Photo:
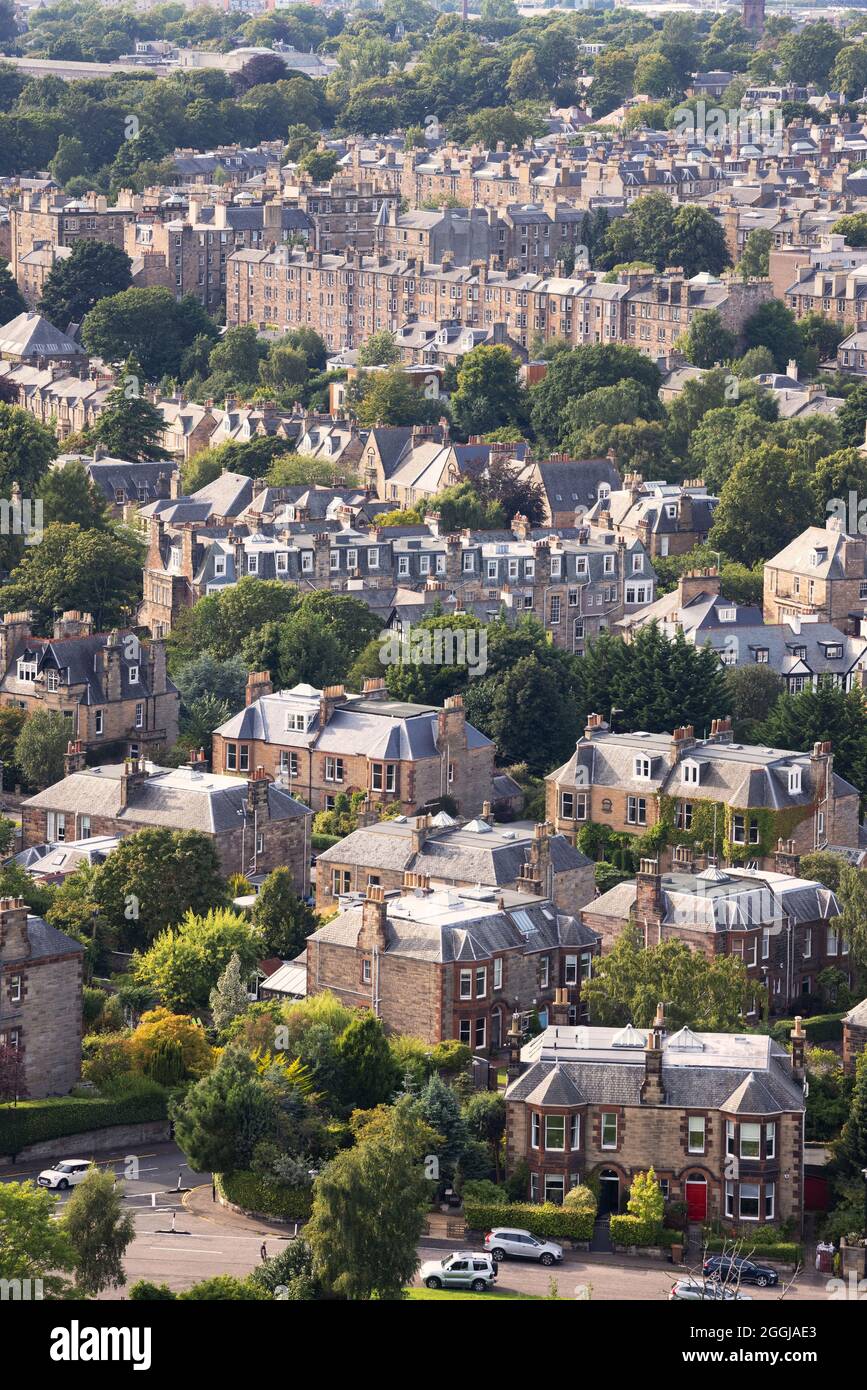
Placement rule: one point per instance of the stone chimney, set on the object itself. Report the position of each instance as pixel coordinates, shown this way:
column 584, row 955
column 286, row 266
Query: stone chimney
column 648, row 892
column 520, row 527
column 329, row 699
column 134, row 773
column 513, row 1037
column 73, row 624
column 14, row 941
column 534, row 874
column 419, row 833
column 74, row 759
column 417, row 883
column 720, row 731
column 451, row 724
column 258, row 684
column 682, row 740
column 375, row 688
column 799, row 1043
column 197, row 760
column 487, row 813
column 372, row 935
column 786, row 861
column 157, row 666
column 696, row 582
column 560, row 1008
column 652, row 1087
column 595, row 726
column 15, row 628
column 257, row 792
column 111, row 667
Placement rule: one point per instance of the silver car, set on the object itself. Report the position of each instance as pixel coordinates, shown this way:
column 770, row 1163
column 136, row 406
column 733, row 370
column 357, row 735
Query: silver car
column 693, row 1290
column 461, row 1269
column 506, row 1242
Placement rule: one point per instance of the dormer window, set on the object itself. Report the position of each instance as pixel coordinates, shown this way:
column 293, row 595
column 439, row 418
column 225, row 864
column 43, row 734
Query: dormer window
column 814, row 559
column 641, row 769
column 252, row 564
column 282, row 561
column 26, row 671
column 133, row 675
column 794, row 781
column 727, row 615
column 833, row 651
column 296, row 721
column 690, row 773
column 637, row 564
column 760, row 655
column 52, row 680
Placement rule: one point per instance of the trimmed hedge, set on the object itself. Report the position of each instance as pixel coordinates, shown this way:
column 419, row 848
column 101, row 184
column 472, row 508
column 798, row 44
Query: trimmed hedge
column 819, row 1028
column 546, row 1219
column 630, row 1230
column 34, row 1121
column 268, row 1196
column 322, row 842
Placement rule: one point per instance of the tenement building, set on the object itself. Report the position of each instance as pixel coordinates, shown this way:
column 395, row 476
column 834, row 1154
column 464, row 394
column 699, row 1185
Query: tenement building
column 451, row 963
column 719, row 1117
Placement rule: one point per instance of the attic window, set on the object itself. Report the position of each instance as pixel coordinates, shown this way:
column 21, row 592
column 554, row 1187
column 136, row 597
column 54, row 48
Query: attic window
column 690, row 773
column 641, row 768
column 52, row 680
column 133, row 675
column 727, row 615
column 794, row 780
column 26, row 670
column 814, row 558
column 296, row 720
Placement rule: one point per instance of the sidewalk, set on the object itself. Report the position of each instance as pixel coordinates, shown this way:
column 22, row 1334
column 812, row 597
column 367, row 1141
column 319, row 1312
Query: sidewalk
column 198, row 1202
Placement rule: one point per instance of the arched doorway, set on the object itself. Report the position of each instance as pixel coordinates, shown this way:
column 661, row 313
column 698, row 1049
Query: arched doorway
column 695, row 1190
column 609, row 1192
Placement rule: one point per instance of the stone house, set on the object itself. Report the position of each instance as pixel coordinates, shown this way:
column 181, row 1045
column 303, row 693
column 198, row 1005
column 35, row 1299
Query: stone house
column 711, row 795
column 821, row 575
column 447, row 854
column 40, row 1000
column 719, row 1117
column 784, row 928
column 324, row 743
column 854, row 1036
column 451, row 963
column 256, row 826
column 668, row 518
column 112, row 689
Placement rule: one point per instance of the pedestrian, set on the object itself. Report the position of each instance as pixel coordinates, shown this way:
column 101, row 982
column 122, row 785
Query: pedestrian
column 264, row 1252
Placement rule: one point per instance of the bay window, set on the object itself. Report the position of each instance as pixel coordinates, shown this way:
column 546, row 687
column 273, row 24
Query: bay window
column 555, row 1132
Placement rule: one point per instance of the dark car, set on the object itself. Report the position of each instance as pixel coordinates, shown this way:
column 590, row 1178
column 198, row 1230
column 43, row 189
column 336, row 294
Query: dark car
column 732, row 1268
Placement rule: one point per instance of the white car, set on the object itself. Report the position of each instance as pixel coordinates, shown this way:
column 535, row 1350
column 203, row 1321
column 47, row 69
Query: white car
column 692, row 1290
column 65, row 1173
column 462, row 1269
column 506, row 1241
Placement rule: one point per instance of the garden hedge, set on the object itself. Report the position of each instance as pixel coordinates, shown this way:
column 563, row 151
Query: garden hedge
column 630, row 1230
column 323, row 842
column 268, row 1196
column 785, row 1252
column 548, row 1220
column 820, row 1028
column 34, row 1121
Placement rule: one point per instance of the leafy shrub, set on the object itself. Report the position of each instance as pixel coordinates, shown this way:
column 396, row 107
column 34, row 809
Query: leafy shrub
column 786, row 1252
column 322, row 842
column 92, row 1003
column 450, row 1056
column 257, row 1192
column 545, row 1219
column 629, row 1230
column 482, row 1192
column 518, row 1181
column 144, row 1291
column 820, row 1028
column 582, row 1198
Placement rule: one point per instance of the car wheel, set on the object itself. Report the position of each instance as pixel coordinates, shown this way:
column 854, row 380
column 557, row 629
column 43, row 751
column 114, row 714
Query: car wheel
column 433, row 1282
column 62, row 1185
column 762, row 1280
column 546, row 1259
column 498, row 1254
column 478, row 1286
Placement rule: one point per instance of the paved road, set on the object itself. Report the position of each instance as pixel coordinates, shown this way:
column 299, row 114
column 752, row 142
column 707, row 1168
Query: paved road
column 223, row 1243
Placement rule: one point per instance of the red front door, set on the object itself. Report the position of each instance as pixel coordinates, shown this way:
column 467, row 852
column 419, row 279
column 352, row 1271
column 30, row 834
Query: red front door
column 696, row 1201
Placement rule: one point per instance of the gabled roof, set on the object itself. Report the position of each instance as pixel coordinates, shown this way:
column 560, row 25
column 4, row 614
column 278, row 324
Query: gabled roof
column 30, row 335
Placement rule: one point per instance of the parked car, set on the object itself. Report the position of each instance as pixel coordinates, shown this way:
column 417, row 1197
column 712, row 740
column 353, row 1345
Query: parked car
column 691, row 1290
column 66, row 1172
column 736, row 1267
column 460, row 1270
column 505, row 1242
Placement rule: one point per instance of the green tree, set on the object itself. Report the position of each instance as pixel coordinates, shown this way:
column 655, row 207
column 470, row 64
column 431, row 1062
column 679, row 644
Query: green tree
column 774, row 326
column 753, row 691
column 852, row 892
column 701, row 992
column 148, row 324
column 34, row 1244
column 69, row 497
column 655, row 76
column 221, row 1119
column 368, row 1213
column 26, row 451
column 40, row 748
column 852, row 1147
column 184, row 963
column 368, row 1075
column 575, row 374
column 99, row 1231
column 391, row 398
column 646, row 1202
column 761, row 507
column 130, row 426
column 93, row 270
column 756, row 254
column 852, row 416
column 853, row 227
column 380, row 350
column 283, row 918
column 11, row 299
column 820, row 338
column 485, row 1118
column 206, row 675
column 708, row 342
column 510, row 708
column 319, row 164
column 229, row 996
column 155, row 877
column 825, row 713
column 97, row 572
column 488, row 393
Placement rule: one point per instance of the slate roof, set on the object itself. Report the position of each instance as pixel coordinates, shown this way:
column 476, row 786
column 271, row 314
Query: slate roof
column 576, row 482
column 30, row 335
column 453, row 926
column 733, row 898
column 177, row 798
column 714, row 1071
column 46, row 940
column 77, row 661
column 857, row 1015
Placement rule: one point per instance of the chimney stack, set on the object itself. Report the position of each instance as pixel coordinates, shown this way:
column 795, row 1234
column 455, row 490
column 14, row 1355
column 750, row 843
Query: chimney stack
column 652, row 1087
column 372, row 935
column 799, row 1043
column 74, row 759
column 258, row 684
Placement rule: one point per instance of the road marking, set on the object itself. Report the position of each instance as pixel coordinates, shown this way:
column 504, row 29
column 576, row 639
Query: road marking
column 186, row 1250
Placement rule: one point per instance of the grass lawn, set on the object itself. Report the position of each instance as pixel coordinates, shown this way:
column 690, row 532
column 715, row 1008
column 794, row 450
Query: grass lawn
column 463, row 1295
